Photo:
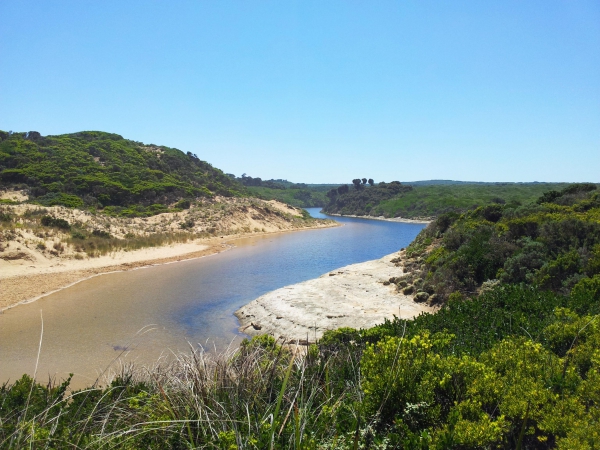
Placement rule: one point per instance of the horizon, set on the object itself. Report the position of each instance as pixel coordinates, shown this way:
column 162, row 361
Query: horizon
column 312, row 92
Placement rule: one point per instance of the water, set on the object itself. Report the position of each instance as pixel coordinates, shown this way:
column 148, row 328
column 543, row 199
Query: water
column 138, row 315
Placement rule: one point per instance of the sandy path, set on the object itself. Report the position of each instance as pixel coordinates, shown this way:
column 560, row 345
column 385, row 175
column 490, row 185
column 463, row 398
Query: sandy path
column 353, row 296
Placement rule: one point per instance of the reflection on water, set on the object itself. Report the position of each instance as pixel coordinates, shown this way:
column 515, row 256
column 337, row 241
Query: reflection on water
column 138, row 315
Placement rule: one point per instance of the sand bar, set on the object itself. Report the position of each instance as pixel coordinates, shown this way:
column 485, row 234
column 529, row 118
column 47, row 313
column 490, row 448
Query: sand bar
column 352, row 296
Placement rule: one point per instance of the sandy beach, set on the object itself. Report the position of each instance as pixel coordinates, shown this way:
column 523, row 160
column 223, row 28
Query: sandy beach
column 352, row 296
column 19, row 285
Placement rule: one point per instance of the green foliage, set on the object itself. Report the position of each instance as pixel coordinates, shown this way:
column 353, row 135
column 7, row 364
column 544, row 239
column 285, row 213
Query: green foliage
column 305, row 197
column 59, row 199
column 301, row 195
column 183, row 204
column 360, row 201
column 568, row 194
column 585, row 295
column 434, row 200
column 5, row 216
column 101, row 234
column 101, row 169
column 551, row 246
column 49, row 221
column 533, row 382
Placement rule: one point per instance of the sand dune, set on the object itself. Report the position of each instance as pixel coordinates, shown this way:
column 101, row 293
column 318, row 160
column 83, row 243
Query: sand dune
column 36, row 260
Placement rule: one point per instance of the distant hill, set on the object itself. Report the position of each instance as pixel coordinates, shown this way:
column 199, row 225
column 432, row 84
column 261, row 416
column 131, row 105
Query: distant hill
column 430, row 198
column 443, row 182
column 301, row 195
column 361, row 197
column 440, row 182
column 98, row 169
column 451, row 182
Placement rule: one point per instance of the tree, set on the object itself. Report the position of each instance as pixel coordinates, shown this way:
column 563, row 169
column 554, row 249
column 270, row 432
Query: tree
column 371, row 182
column 343, row 189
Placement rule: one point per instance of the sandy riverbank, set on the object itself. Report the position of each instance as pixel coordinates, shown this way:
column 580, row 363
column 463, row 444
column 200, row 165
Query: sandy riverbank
column 352, row 296
column 387, row 219
column 27, row 286
column 30, row 268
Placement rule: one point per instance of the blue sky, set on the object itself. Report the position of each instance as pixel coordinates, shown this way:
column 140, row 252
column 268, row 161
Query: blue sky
column 319, row 91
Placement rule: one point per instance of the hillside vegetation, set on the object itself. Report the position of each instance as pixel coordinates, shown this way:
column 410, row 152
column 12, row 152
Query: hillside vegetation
column 104, row 170
column 429, row 200
column 510, row 361
column 362, row 198
column 552, row 244
column 300, row 195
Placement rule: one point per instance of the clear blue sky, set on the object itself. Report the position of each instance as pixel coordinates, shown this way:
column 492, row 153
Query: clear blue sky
column 318, row 91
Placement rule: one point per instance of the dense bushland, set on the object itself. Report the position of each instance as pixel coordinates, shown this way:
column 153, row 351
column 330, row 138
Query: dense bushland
column 431, row 200
column 306, row 197
column 301, row 195
column 98, row 169
column 362, row 197
column 549, row 244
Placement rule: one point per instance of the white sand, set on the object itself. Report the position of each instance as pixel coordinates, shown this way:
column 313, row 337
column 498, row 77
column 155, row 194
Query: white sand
column 353, row 296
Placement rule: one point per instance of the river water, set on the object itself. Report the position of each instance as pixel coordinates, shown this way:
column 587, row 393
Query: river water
column 94, row 327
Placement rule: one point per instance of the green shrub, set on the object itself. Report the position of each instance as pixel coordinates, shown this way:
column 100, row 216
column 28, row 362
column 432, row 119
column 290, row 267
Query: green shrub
column 101, row 234
column 60, row 199
column 76, row 234
column 49, row 221
column 183, row 204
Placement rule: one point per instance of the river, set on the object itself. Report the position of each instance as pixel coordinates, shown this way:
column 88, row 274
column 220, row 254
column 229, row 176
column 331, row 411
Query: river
column 95, row 326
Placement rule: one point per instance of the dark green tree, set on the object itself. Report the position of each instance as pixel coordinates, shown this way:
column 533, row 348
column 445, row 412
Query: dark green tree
column 343, row 189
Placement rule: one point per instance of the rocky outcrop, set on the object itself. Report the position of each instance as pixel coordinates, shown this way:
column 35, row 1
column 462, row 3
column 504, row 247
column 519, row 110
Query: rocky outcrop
column 353, row 296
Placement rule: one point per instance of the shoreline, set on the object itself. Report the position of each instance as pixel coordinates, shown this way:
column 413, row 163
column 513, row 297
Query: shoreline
column 352, row 296
column 24, row 288
column 385, row 219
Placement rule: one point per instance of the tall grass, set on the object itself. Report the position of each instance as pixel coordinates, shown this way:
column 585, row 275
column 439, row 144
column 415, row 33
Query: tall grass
column 258, row 396
column 403, row 391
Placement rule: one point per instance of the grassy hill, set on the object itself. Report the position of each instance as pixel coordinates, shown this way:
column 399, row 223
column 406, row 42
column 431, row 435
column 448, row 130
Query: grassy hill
column 98, row 169
column 429, row 200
